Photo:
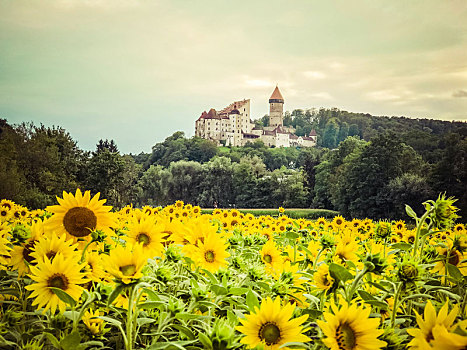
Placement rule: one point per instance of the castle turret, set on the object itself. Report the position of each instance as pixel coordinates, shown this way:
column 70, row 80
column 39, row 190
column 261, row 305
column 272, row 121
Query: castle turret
column 276, row 108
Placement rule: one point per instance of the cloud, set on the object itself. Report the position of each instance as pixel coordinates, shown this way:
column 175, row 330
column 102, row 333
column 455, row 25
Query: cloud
column 314, row 75
column 322, row 95
column 460, row 94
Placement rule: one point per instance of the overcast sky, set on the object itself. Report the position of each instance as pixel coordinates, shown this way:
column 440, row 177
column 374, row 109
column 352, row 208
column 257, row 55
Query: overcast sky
column 137, row 71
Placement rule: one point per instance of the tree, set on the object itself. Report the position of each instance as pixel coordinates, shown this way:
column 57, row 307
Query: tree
column 411, row 189
column 217, row 185
column 50, row 161
column 449, row 174
column 154, row 186
column 185, row 181
column 104, row 174
column 330, row 134
column 106, row 145
column 364, row 190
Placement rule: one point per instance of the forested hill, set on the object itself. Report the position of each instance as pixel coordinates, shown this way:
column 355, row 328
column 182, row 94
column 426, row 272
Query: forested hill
column 364, row 166
column 334, row 125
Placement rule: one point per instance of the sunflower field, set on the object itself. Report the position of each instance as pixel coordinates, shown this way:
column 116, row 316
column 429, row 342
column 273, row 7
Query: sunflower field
column 79, row 275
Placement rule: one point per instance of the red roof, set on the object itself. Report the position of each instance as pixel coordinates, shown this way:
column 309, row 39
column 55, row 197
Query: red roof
column 312, row 133
column 276, row 95
column 234, row 105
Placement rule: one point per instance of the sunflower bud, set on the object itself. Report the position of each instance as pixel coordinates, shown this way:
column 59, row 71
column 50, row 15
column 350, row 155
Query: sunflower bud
column 236, row 263
column 21, row 233
column 222, row 335
column 173, row 254
column 98, row 236
column 327, row 241
column 444, row 212
column 383, row 229
column 374, row 263
column 174, row 306
column 256, row 272
column 408, row 271
column 164, row 274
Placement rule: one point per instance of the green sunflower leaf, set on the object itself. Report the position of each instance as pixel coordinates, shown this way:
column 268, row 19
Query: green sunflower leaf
column 454, row 272
column 251, row 301
column 63, row 296
column 71, row 341
column 115, row 293
column 339, row 273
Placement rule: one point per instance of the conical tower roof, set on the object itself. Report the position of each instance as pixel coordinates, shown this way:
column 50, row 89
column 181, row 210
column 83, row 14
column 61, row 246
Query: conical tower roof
column 276, row 96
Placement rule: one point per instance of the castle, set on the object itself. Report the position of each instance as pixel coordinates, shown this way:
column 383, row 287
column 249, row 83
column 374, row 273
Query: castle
column 232, row 126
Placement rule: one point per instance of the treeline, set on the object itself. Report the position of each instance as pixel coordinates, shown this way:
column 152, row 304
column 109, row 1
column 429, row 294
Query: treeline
column 380, row 165
column 38, row 163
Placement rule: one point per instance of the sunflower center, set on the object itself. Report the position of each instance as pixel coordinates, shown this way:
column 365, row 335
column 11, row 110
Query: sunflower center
column 80, row 221
column 267, row 258
column 143, row 238
column 128, row 270
column 50, row 255
column 270, row 333
column 454, row 258
column 209, row 256
column 345, row 337
column 411, row 239
column 28, row 249
column 4, row 213
column 58, row 281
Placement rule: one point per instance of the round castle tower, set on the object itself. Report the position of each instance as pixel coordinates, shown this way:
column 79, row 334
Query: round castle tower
column 276, row 108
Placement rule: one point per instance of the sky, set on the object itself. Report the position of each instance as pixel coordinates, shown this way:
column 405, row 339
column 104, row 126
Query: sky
column 137, row 71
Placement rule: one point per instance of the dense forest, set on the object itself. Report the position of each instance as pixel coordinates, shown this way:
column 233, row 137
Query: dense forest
column 364, row 166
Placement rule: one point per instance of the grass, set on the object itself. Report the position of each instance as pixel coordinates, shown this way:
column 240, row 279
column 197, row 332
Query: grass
column 297, row 213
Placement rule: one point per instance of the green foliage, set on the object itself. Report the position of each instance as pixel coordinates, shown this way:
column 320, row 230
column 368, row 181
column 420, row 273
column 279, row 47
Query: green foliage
column 310, row 214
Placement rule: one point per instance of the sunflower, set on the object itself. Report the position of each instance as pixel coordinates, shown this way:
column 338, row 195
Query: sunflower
column 4, row 250
column 126, row 263
column 271, row 256
column 21, row 255
column 271, row 326
column 410, row 236
column 7, row 204
column 211, row 253
column 49, row 246
column 454, row 257
column 196, row 210
column 347, row 248
column 459, row 228
column 339, row 222
column 435, row 329
column 290, row 274
column 399, row 225
column 350, row 328
column 93, row 322
column 149, row 234
column 322, row 278
column 78, row 215
column 59, row 273
column 93, row 268
column 321, row 221
column 5, row 214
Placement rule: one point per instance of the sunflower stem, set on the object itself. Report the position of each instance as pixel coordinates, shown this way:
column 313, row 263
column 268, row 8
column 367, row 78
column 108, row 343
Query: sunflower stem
column 355, row 283
column 129, row 321
column 83, row 256
column 419, row 229
column 317, row 257
column 396, row 304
